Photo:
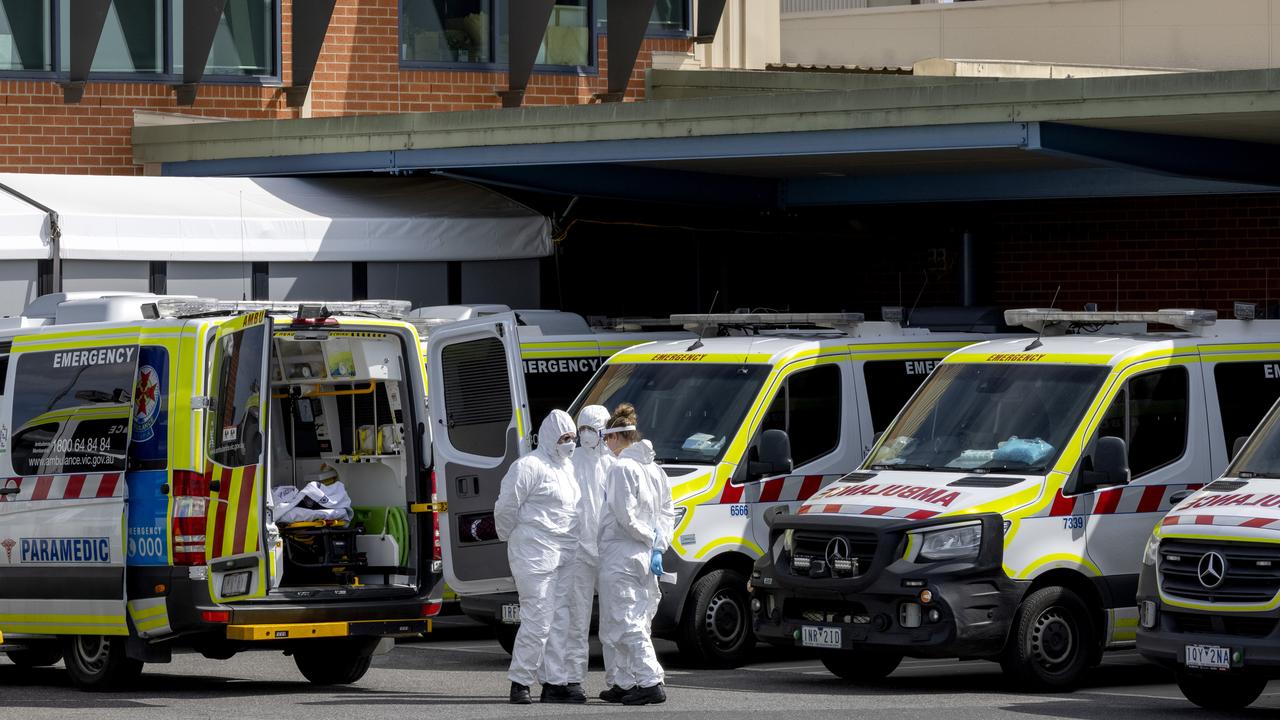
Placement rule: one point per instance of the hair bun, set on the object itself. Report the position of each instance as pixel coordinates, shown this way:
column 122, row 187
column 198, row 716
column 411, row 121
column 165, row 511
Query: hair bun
column 624, row 414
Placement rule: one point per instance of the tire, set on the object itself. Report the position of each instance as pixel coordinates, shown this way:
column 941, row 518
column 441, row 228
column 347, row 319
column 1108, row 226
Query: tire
column 99, row 664
column 1052, row 641
column 861, row 666
column 1220, row 692
column 716, row 629
column 36, row 656
column 506, row 634
column 339, row 663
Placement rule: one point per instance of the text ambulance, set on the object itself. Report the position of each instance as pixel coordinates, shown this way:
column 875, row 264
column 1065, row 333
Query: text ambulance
column 761, row 417
column 152, row 450
column 1004, row 512
column 1209, row 593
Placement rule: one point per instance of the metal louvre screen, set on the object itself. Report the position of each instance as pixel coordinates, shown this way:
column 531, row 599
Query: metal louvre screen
column 477, row 396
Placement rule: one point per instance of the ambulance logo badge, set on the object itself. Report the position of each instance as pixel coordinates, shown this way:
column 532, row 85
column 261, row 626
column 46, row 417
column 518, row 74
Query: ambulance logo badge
column 146, row 404
column 1212, row 570
column 8, row 545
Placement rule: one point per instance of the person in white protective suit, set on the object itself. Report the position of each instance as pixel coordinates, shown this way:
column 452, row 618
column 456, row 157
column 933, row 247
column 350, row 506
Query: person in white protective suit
column 536, row 514
column 565, row 665
column 635, row 529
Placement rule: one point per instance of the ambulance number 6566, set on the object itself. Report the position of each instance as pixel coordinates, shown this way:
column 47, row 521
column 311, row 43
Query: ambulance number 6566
column 739, row 511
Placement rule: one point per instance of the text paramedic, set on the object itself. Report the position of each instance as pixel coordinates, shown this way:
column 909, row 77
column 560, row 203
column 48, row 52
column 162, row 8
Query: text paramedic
column 66, row 550
column 100, row 356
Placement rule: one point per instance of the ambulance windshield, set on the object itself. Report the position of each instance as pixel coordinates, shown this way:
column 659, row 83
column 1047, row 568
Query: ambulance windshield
column 689, row 411
column 1260, row 457
column 989, row 417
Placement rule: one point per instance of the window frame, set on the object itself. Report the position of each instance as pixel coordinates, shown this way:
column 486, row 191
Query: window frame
column 167, row 76
column 1126, row 391
column 499, row 9
column 685, row 31
column 783, row 393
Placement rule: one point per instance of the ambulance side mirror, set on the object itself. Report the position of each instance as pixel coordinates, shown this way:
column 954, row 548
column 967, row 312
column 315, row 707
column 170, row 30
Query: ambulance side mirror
column 1110, row 464
column 773, row 455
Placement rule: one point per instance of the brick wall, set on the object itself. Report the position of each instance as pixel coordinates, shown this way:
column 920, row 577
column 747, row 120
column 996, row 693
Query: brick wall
column 358, row 73
column 1205, row 251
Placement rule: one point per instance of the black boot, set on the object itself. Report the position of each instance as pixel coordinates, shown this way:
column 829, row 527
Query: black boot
column 561, row 694
column 576, row 694
column 613, row 694
column 645, row 696
column 520, row 694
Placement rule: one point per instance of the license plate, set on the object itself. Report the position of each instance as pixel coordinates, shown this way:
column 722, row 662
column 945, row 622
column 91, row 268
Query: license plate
column 1208, row 657
column 820, row 637
column 234, row 584
column 511, row 614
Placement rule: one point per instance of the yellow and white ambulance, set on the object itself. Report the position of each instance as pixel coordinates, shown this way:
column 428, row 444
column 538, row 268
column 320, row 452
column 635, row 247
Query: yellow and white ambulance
column 763, row 415
column 1209, row 592
column 1004, row 512
column 152, row 449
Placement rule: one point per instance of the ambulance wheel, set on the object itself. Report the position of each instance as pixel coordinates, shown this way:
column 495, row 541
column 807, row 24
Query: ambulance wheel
column 716, row 631
column 42, row 655
column 339, row 663
column 1220, row 692
column 1051, row 642
column 861, row 665
column 506, row 634
column 99, row 664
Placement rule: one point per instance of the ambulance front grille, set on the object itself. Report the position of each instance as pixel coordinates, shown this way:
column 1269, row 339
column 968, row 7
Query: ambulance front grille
column 813, row 553
column 1250, row 572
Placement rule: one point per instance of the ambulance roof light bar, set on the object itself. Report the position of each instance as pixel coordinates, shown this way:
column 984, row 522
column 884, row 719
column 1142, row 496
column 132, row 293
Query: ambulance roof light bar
column 190, row 307
column 1039, row 318
column 799, row 321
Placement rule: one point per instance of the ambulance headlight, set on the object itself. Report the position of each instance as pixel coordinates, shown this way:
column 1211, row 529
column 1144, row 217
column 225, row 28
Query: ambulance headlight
column 1152, row 552
column 952, row 542
column 681, row 511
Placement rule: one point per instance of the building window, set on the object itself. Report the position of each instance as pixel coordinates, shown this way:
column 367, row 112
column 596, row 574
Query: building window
column 141, row 37
column 446, row 31
column 669, row 18
column 244, row 43
column 476, row 32
column 132, row 37
column 24, row 36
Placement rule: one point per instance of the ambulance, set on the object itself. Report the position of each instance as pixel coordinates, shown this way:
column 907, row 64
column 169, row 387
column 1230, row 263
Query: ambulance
column 147, row 443
column 1209, row 591
column 1004, row 512
column 763, row 415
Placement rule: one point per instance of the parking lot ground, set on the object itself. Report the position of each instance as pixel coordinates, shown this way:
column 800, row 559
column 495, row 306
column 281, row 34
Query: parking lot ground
column 460, row 674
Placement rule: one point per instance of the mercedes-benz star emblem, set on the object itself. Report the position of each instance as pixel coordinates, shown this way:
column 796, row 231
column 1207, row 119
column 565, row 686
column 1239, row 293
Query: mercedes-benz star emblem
column 1212, row 570
column 838, row 549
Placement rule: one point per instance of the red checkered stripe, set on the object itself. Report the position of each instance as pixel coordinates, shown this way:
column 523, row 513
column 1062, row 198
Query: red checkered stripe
column 1223, row 520
column 884, row 511
column 80, row 486
column 1117, row 501
column 789, row 488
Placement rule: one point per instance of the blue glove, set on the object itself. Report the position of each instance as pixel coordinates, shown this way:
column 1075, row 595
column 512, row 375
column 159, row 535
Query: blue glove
column 655, row 562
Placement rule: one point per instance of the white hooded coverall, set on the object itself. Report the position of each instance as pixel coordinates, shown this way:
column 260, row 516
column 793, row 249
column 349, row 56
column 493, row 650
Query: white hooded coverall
column 567, row 648
column 536, row 514
column 638, row 502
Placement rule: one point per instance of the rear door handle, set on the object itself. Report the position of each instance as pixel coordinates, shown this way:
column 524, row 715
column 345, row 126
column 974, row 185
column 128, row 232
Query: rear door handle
column 10, row 491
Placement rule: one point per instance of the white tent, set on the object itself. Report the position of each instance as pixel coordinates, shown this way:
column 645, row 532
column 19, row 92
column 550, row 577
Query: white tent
column 266, row 219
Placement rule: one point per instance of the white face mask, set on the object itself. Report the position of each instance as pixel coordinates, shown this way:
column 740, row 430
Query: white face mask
column 589, row 438
column 563, row 450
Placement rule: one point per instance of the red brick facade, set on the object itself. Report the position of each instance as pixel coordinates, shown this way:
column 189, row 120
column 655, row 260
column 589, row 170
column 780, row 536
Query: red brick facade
column 358, row 73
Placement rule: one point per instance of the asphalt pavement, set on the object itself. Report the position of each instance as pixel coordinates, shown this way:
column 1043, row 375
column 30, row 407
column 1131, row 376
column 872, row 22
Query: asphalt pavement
column 460, row 674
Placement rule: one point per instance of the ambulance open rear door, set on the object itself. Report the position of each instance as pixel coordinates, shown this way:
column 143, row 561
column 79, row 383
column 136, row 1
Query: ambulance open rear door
column 480, row 425
column 236, row 459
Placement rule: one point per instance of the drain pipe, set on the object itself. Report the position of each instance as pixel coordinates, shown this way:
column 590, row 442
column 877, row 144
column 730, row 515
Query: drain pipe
column 55, row 237
column 969, row 271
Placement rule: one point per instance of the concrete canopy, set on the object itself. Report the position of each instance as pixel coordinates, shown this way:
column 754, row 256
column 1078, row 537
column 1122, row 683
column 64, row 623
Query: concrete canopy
column 788, row 142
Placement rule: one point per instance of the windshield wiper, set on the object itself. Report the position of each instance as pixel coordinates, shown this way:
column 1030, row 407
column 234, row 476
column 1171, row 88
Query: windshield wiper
column 1027, row 470
column 903, row 466
column 1249, row 475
